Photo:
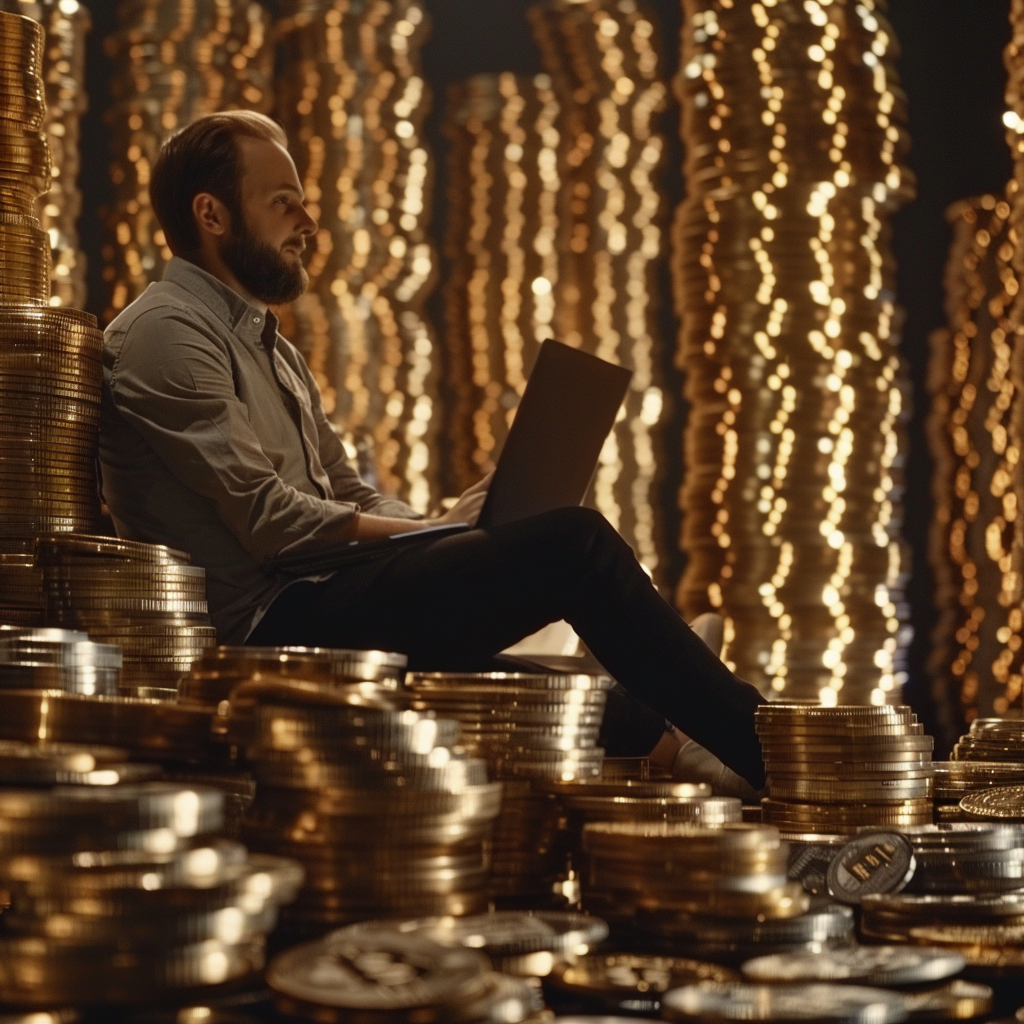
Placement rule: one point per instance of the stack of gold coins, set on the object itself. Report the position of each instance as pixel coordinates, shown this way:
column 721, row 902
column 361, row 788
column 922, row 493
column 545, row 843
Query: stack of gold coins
column 714, row 893
column 531, row 729
column 50, row 379
column 125, row 894
column 176, row 60
column 976, row 647
column 734, row 870
column 352, row 98
column 985, row 929
column 500, row 293
column 832, row 770
column 793, row 123
column 608, row 76
column 66, row 24
column 380, row 977
column 992, row 739
column 145, row 598
column 956, row 779
column 221, row 669
column 57, row 659
column 387, row 818
column 21, row 590
column 24, row 162
column 588, row 800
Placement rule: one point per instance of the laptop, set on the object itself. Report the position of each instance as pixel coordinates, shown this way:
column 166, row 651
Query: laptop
column 548, row 460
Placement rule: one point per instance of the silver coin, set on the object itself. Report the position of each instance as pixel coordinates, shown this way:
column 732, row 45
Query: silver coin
column 876, row 862
column 885, row 966
column 823, row 1004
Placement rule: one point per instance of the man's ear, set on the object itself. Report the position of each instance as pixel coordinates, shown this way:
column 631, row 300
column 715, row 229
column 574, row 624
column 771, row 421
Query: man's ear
column 211, row 214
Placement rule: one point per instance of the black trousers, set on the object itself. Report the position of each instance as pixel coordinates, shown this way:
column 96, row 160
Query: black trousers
column 452, row 604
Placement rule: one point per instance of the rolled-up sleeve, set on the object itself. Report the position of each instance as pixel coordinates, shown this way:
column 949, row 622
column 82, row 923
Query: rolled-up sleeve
column 174, row 383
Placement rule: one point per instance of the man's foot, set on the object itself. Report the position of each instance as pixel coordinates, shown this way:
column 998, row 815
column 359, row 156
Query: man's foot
column 695, row 763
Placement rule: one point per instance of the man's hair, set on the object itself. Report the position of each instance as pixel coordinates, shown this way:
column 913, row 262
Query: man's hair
column 204, row 157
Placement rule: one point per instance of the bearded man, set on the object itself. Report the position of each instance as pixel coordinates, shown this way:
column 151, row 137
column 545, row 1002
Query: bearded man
column 214, row 441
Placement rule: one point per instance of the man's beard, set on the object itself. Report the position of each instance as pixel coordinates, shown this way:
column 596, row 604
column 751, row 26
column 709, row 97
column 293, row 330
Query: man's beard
column 260, row 268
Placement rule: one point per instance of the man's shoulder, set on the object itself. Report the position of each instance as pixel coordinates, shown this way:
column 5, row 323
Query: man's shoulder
column 162, row 300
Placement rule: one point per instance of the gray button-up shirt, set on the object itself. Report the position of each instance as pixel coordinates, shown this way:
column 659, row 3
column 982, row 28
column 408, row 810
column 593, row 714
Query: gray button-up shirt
column 214, row 441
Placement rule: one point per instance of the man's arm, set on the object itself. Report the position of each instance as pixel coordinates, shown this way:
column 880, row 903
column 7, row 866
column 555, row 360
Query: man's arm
column 172, row 381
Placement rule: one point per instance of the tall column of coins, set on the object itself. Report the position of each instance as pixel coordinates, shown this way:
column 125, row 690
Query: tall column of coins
column 122, row 894
column 352, row 99
column 977, row 655
column 146, row 598
column 792, row 118
column 176, row 60
column 603, row 62
column 530, row 730
column 66, row 24
column 834, row 770
column 385, row 815
column 505, row 240
column 50, row 371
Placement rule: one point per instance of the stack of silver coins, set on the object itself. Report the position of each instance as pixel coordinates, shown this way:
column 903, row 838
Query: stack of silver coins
column 992, row 739
column 966, row 857
column 834, row 770
column 147, row 599
column 380, row 977
column 58, row 659
column 220, row 669
column 387, row 818
column 522, row 944
column 125, row 894
column 531, row 730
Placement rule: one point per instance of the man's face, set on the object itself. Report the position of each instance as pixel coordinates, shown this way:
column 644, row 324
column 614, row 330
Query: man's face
column 264, row 251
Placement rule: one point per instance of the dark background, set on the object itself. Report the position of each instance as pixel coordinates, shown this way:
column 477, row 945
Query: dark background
column 951, row 68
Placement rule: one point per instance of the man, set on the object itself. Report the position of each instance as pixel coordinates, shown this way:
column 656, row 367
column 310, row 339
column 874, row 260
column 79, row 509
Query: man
column 214, row 441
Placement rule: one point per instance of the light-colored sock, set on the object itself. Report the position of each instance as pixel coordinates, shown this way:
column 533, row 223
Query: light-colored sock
column 695, row 763
column 710, row 627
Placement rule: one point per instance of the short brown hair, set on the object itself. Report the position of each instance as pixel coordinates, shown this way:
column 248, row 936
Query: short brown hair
column 203, row 157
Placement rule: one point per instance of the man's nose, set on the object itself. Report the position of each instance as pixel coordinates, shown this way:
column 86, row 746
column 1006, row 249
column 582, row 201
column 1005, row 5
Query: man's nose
column 309, row 225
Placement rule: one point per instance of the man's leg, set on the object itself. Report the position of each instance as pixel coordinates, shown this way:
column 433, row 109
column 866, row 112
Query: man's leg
column 457, row 601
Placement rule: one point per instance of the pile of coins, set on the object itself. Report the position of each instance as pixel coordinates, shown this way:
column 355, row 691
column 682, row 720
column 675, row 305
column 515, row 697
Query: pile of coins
column 352, row 98
column 992, row 739
column 718, row 894
column 176, row 60
column 793, row 129
column 385, row 816
column 834, row 770
column 966, row 857
column 66, row 24
column 955, row 780
column 522, row 944
column 594, row 800
column 220, row 669
column 976, row 659
column 50, row 371
column 389, row 978
column 985, row 929
column 125, row 894
column 530, row 729
column 147, row 599
column 58, row 659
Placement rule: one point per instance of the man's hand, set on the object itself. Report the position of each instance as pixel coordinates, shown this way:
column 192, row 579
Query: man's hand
column 467, row 508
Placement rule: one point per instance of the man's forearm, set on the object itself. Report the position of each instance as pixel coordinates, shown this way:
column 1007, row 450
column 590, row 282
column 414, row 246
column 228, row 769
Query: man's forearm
column 371, row 527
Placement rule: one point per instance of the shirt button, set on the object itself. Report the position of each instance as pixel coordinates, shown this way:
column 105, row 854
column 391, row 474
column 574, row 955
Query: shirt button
column 255, row 319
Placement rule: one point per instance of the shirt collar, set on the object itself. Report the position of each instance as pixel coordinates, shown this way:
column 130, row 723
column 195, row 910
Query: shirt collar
column 242, row 317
